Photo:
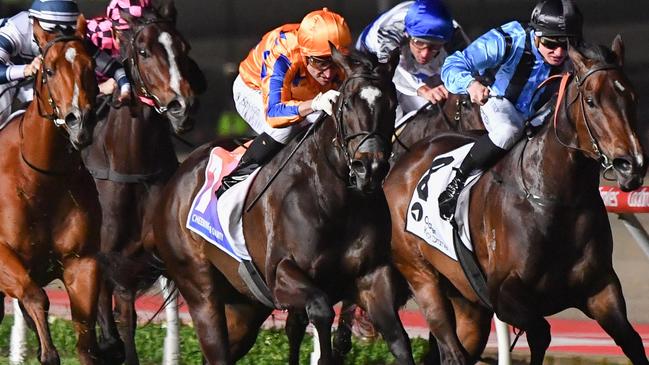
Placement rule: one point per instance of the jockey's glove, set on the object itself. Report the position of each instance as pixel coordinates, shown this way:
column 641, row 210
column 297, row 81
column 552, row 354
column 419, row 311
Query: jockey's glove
column 324, row 101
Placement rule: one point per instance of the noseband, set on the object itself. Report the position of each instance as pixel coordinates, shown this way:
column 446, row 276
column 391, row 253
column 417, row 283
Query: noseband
column 341, row 135
column 580, row 80
column 55, row 115
column 142, row 91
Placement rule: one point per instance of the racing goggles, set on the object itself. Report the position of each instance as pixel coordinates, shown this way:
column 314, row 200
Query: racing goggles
column 320, row 63
column 422, row 44
column 554, row 43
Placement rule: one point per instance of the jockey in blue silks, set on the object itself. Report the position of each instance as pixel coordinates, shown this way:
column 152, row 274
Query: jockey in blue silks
column 522, row 58
column 424, row 31
column 20, row 55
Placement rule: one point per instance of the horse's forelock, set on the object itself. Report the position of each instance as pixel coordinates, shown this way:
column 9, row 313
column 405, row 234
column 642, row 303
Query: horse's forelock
column 597, row 53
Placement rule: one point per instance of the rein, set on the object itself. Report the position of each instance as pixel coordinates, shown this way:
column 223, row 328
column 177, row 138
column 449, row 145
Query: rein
column 142, row 91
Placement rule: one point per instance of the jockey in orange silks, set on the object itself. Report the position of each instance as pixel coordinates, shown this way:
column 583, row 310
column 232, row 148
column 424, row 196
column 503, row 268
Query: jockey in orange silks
column 287, row 80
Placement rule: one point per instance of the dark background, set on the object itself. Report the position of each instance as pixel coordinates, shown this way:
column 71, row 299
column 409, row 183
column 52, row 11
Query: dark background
column 221, row 33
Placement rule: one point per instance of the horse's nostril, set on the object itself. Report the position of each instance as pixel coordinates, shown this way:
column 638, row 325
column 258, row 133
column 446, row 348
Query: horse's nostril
column 358, row 167
column 623, row 165
column 72, row 119
column 176, row 107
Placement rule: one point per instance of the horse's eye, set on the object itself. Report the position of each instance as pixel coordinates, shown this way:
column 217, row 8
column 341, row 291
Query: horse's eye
column 49, row 72
column 143, row 53
column 590, row 102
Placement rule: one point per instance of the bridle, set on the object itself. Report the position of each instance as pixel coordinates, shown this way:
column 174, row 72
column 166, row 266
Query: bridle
column 55, row 115
column 342, row 138
column 142, row 91
column 579, row 80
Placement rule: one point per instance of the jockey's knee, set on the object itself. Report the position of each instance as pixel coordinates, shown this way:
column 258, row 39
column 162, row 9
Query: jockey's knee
column 506, row 136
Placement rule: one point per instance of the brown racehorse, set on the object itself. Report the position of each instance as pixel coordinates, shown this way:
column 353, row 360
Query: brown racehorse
column 315, row 238
column 50, row 211
column 538, row 225
column 132, row 157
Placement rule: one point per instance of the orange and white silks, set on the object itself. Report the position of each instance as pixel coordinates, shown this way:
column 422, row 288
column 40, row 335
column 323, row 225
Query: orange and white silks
column 277, row 68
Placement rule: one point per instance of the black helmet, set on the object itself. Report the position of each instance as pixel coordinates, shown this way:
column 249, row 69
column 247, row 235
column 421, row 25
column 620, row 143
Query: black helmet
column 556, row 18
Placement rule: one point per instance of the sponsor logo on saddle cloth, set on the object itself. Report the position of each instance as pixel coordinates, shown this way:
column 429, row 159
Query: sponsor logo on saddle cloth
column 219, row 221
column 423, row 218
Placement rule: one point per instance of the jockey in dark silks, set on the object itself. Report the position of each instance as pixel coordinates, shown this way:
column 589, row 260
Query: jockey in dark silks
column 521, row 58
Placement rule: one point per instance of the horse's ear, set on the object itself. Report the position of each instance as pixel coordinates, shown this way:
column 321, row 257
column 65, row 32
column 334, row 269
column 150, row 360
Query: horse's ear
column 39, row 34
column 82, row 26
column 618, row 49
column 167, row 10
column 393, row 61
column 131, row 19
column 340, row 59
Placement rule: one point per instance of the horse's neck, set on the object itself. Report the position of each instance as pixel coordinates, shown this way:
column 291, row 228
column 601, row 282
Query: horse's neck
column 137, row 134
column 549, row 168
column 43, row 145
column 324, row 158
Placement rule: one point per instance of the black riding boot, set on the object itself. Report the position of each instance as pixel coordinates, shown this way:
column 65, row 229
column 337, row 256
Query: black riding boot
column 482, row 155
column 260, row 151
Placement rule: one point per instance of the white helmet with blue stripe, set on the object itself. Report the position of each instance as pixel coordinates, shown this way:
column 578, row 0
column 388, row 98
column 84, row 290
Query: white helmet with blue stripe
column 53, row 13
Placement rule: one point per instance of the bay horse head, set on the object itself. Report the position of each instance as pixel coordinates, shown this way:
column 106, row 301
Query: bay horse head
column 606, row 102
column 65, row 86
column 157, row 58
column 364, row 115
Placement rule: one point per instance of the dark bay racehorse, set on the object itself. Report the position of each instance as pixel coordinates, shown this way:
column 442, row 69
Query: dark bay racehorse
column 131, row 159
column 50, row 212
column 315, row 238
column 457, row 113
column 538, row 225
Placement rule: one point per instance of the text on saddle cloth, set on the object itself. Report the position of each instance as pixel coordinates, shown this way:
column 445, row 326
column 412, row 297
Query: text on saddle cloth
column 219, row 220
column 423, row 219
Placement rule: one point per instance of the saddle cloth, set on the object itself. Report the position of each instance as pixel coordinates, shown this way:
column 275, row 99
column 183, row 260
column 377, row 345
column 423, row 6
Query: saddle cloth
column 219, row 221
column 423, row 219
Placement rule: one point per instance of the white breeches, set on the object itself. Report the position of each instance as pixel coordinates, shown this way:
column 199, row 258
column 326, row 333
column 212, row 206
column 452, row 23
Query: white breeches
column 250, row 105
column 503, row 122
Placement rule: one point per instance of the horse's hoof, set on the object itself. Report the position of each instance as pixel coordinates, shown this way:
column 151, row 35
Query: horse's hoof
column 112, row 352
column 50, row 358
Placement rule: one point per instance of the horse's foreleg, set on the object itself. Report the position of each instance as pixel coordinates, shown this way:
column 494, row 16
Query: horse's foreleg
column 110, row 344
column 294, row 289
column 295, row 328
column 473, row 325
column 377, row 295
column 538, row 339
column 342, row 342
column 609, row 309
column 81, row 279
column 244, row 321
column 2, row 306
column 438, row 311
column 126, row 322
column 16, row 282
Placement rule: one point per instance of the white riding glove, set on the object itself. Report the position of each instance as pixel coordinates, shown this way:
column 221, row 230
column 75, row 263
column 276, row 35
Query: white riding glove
column 325, row 101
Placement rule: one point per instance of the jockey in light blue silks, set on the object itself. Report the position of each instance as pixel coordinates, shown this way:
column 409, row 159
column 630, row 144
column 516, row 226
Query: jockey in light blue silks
column 20, row 56
column 522, row 58
column 424, row 32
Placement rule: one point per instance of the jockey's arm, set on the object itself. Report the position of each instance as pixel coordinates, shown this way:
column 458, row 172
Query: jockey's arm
column 10, row 43
column 110, row 67
column 460, row 68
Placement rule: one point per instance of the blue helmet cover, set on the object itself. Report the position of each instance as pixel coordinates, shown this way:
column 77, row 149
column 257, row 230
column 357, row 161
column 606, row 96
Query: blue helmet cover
column 429, row 19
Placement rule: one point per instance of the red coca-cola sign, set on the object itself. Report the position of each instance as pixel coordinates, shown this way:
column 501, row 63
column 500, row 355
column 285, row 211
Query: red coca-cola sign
column 617, row 201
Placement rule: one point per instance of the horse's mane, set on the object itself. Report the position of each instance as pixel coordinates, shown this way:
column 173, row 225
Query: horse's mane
column 598, row 53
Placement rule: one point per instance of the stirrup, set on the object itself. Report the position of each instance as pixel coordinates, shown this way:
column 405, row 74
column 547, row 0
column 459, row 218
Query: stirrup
column 447, row 200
